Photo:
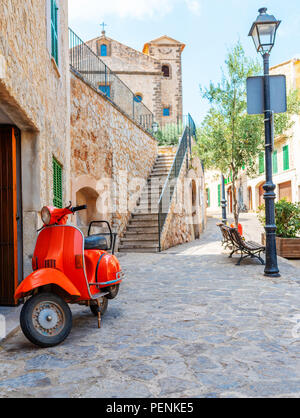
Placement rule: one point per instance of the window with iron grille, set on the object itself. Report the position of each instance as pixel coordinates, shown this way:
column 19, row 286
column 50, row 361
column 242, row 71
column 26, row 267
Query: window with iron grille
column 286, row 158
column 275, row 162
column 208, row 197
column 54, row 30
column 219, row 195
column 261, row 163
column 57, row 184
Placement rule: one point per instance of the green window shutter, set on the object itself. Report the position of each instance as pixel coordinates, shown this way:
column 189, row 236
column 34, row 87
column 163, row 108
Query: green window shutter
column 286, row 158
column 54, row 30
column 275, row 162
column 57, row 184
column 219, row 194
column 208, row 197
column 261, row 163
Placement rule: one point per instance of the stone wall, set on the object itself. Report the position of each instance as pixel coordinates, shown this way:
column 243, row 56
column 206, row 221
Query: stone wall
column 109, row 153
column 186, row 219
column 34, row 95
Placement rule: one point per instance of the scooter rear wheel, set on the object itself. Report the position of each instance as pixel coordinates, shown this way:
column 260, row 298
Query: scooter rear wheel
column 46, row 320
column 103, row 307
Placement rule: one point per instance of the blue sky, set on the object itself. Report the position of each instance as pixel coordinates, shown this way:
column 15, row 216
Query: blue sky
column 208, row 28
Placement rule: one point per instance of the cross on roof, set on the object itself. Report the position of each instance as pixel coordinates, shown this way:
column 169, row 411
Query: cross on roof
column 103, row 26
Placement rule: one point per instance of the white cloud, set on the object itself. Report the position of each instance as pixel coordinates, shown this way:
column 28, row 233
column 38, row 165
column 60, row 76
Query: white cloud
column 194, row 6
column 138, row 9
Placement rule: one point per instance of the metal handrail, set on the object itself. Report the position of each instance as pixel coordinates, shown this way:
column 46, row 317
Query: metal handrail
column 167, row 193
column 85, row 62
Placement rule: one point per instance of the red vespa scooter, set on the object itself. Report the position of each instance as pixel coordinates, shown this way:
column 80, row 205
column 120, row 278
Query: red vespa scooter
column 67, row 269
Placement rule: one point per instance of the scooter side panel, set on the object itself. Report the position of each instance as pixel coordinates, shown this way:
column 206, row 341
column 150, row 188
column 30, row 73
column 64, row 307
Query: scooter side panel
column 62, row 247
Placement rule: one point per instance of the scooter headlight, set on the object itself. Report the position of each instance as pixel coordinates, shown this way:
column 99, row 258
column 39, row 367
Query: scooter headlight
column 46, row 215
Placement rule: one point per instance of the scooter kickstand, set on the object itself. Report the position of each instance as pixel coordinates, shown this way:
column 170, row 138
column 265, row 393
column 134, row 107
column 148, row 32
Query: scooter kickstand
column 99, row 314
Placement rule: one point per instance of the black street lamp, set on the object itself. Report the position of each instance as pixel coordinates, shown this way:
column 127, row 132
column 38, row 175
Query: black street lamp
column 263, row 32
column 223, row 201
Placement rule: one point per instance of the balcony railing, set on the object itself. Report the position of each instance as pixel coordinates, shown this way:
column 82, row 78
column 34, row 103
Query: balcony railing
column 85, row 62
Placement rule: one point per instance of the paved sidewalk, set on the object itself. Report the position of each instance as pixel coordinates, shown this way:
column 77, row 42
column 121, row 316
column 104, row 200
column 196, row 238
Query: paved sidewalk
column 187, row 322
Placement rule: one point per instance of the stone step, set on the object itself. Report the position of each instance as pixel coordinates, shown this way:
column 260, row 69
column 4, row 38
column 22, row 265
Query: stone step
column 140, row 244
column 162, row 166
column 153, row 232
column 160, row 171
column 143, row 224
column 138, row 250
column 131, row 229
column 145, row 211
column 139, row 238
column 144, row 217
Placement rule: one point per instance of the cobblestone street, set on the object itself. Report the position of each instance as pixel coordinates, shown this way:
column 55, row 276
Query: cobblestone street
column 187, row 323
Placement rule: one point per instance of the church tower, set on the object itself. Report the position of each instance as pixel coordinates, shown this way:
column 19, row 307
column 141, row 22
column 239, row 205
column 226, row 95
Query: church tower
column 168, row 107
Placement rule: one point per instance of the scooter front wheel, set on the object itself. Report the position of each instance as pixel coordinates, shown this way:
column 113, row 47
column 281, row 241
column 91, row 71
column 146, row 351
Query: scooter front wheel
column 46, row 320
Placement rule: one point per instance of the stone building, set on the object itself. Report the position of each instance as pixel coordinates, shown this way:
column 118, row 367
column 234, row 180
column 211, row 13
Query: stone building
column 286, row 167
column 63, row 139
column 34, row 127
column 154, row 75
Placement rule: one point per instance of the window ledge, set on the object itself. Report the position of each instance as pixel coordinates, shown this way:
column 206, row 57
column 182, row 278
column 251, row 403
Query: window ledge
column 55, row 66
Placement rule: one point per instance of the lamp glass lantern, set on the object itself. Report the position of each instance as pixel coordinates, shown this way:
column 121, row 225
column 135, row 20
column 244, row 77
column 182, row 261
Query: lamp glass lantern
column 263, row 31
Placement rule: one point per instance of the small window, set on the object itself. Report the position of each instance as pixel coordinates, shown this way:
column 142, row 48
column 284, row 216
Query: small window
column 54, row 30
column 166, row 111
column 286, row 158
column 103, row 50
column 105, row 89
column 165, row 70
column 138, row 98
column 57, row 184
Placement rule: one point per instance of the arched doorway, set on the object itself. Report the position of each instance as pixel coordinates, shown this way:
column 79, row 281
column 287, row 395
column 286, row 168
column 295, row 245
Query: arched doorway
column 195, row 208
column 87, row 196
column 261, row 193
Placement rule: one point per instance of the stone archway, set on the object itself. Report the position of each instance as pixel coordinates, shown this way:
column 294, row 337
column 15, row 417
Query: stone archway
column 195, row 209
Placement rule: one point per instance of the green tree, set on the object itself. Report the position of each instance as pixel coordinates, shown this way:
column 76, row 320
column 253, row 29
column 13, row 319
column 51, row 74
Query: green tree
column 229, row 138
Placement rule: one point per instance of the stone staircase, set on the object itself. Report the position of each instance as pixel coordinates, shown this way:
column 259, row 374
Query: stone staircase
column 141, row 235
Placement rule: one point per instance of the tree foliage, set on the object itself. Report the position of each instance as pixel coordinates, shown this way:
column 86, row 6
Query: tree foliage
column 229, row 138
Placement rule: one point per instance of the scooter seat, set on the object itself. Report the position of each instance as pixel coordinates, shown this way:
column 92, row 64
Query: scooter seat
column 95, row 242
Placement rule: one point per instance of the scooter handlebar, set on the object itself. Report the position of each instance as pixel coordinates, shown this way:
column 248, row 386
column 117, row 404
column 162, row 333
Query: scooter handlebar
column 78, row 208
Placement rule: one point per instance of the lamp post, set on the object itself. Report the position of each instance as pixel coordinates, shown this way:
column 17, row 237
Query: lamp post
column 263, row 33
column 223, row 201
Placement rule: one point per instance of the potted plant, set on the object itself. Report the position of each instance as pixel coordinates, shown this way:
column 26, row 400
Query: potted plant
column 287, row 219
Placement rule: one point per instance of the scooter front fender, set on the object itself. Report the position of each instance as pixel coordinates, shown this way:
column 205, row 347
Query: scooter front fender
column 45, row 277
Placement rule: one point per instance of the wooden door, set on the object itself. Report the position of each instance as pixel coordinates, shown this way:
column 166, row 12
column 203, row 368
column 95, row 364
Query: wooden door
column 285, row 191
column 11, row 267
column 261, row 200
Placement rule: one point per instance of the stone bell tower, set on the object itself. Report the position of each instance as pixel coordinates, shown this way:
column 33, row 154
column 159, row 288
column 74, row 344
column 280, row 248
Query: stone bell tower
column 167, row 52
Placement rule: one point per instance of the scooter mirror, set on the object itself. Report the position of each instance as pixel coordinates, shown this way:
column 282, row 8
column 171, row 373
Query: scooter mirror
column 46, row 215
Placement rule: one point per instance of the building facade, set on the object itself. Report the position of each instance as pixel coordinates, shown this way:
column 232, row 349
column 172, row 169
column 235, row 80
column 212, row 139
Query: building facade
column 34, row 127
column 154, row 75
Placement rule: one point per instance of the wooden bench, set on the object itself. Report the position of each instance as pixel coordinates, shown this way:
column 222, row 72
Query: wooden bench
column 226, row 241
column 246, row 248
column 234, row 241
